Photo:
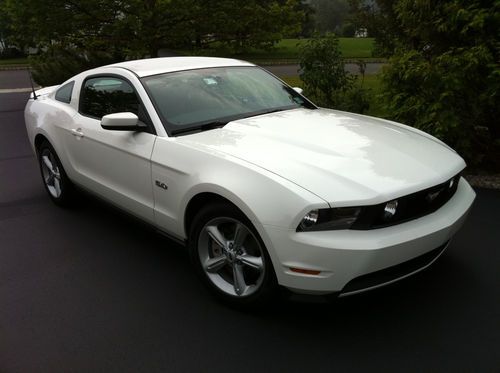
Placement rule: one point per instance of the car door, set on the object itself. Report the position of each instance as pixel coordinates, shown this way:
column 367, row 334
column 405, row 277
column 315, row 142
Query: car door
column 114, row 164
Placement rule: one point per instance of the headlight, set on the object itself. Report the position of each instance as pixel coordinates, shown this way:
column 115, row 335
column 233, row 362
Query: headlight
column 329, row 219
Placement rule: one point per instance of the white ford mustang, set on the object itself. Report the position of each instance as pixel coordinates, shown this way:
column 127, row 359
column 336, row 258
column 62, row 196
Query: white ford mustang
column 264, row 187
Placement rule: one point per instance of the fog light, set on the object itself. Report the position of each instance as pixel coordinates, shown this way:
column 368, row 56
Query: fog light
column 390, row 209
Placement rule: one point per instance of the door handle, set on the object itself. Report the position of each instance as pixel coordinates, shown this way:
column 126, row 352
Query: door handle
column 77, row 132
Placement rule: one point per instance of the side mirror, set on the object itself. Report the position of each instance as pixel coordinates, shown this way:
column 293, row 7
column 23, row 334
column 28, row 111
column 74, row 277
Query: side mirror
column 298, row 90
column 120, row 122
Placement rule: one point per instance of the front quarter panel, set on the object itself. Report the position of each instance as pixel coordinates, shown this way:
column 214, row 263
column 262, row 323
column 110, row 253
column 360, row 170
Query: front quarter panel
column 185, row 171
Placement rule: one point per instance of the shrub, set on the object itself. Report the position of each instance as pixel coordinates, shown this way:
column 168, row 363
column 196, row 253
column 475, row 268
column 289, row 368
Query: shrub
column 325, row 80
column 444, row 76
column 449, row 96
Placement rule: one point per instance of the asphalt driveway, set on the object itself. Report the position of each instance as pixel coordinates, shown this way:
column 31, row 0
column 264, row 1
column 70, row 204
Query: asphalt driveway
column 89, row 289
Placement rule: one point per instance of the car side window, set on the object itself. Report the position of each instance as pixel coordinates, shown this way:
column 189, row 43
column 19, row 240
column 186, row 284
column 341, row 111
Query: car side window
column 63, row 94
column 101, row 96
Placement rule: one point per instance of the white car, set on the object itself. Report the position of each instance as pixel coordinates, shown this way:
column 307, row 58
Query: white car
column 265, row 188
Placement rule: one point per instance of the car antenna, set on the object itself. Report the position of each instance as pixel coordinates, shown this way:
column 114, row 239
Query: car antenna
column 32, row 86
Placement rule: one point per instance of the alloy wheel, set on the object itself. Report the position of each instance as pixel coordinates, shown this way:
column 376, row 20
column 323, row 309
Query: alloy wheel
column 51, row 173
column 231, row 256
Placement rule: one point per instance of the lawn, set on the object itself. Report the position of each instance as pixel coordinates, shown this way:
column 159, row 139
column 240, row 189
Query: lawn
column 289, row 49
column 371, row 82
column 13, row 61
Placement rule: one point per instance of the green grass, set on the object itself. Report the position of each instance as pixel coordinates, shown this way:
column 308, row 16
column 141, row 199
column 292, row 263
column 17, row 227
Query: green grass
column 370, row 82
column 374, row 84
column 14, row 61
column 357, row 47
column 289, row 49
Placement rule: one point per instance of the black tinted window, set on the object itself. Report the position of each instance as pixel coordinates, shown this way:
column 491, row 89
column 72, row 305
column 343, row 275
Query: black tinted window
column 63, row 94
column 107, row 95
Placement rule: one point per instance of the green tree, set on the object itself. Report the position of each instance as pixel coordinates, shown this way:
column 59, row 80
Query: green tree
column 380, row 20
column 132, row 28
column 444, row 76
column 87, row 33
column 4, row 28
column 330, row 14
column 245, row 24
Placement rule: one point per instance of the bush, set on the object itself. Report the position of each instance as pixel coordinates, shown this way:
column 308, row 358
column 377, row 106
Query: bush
column 450, row 96
column 444, row 76
column 355, row 100
column 325, row 80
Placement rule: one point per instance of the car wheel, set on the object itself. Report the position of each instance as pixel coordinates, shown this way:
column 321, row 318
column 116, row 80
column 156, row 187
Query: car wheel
column 55, row 180
column 230, row 257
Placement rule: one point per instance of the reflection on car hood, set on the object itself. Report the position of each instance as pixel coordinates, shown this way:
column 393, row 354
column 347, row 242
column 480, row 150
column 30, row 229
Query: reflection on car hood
column 341, row 157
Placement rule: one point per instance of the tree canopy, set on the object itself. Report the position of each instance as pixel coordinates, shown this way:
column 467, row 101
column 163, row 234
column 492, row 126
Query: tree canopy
column 111, row 30
column 140, row 27
column 330, row 14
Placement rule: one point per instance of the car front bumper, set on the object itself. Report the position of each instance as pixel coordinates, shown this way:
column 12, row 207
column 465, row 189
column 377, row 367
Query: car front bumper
column 352, row 261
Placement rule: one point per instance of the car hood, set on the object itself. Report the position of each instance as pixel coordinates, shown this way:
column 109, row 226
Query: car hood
column 341, row 157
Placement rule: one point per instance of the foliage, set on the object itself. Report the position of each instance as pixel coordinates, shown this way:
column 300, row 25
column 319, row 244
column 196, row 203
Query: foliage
column 330, row 14
column 444, row 77
column 309, row 19
column 241, row 25
column 325, row 80
column 130, row 28
column 372, row 89
column 381, row 21
column 348, row 30
column 4, row 28
column 92, row 30
column 58, row 64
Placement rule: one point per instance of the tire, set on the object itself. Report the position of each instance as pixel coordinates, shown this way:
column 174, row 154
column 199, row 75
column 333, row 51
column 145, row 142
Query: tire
column 230, row 257
column 56, row 182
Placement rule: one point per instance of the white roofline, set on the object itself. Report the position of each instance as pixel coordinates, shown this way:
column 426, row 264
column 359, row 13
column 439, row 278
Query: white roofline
column 153, row 66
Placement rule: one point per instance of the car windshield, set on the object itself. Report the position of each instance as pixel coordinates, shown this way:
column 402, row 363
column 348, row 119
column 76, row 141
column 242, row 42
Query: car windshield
column 206, row 98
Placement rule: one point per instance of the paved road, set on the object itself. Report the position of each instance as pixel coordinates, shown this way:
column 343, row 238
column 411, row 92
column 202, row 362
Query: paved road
column 91, row 290
column 14, row 79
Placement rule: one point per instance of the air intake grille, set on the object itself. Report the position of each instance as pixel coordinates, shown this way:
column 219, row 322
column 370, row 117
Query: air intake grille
column 409, row 207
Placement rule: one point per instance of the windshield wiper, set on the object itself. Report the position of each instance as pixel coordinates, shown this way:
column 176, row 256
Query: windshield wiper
column 201, row 127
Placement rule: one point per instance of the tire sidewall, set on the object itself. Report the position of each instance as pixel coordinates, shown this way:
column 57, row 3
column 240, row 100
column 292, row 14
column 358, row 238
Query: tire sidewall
column 66, row 187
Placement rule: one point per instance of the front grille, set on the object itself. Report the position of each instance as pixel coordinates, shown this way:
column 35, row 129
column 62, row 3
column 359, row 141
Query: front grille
column 409, row 207
column 392, row 273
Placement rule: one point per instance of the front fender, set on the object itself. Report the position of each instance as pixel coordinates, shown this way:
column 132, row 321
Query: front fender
column 264, row 197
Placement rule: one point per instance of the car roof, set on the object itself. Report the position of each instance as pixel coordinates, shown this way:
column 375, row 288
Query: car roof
column 153, row 66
